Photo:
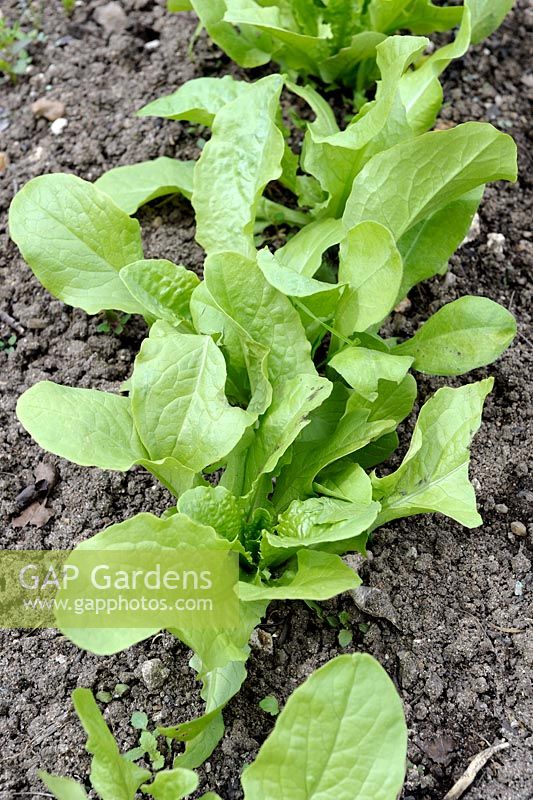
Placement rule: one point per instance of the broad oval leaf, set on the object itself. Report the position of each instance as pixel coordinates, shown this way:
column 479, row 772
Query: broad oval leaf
column 463, row 335
column 178, row 400
column 76, row 240
column 172, row 784
column 163, row 288
column 88, row 427
column 412, row 180
column 198, row 100
column 242, row 156
column 341, row 736
column 136, row 184
column 143, row 531
column 362, row 368
column 370, row 263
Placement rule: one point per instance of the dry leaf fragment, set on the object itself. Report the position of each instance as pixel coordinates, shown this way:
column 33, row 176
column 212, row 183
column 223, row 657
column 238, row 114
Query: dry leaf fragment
column 477, row 763
column 36, row 514
column 46, row 472
column 376, row 603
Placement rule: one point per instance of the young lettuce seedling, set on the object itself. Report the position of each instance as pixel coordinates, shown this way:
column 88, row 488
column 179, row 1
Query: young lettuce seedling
column 341, row 736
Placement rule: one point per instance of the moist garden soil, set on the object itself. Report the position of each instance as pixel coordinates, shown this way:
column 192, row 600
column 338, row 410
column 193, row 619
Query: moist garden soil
column 457, row 618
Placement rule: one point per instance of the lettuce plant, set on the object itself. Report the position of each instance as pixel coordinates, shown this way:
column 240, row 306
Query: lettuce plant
column 341, row 736
column 334, row 40
column 335, row 167
column 270, row 373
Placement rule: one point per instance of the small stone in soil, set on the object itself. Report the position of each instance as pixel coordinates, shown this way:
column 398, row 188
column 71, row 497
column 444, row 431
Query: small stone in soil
column 4, row 162
column 58, row 126
column 154, row 674
column 48, row 108
column 496, row 243
column 518, row 528
column 262, row 640
column 111, row 17
column 501, row 508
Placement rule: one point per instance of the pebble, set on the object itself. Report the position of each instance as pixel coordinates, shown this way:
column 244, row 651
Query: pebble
column 4, row 162
column 111, row 17
column 518, row 528
column 518, row 589
column 153, row 673
column 262, row 641
column 501, row 508
column 58, row 126
column 48, row 108
column 403, row 305
column 496, row 243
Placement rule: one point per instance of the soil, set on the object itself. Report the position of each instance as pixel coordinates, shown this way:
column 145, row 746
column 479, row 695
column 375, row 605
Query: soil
column 461, row 649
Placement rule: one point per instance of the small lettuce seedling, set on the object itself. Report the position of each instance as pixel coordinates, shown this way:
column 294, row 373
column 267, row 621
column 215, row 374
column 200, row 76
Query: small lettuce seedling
column 341, row 736
column 334, row 40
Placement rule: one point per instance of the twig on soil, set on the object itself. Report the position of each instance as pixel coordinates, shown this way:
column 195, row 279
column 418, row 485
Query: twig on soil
column 477, row 764
column 507, row 630
column 9, row 320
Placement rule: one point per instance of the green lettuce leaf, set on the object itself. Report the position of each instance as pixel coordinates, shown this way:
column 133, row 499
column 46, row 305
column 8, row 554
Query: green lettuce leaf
column 427, row 246
column 198, row 100
column 296, row 49
column 141, row 532
column 112, row 775
column 449, row 163
column 339, row 427
column 335, row 157
column 242, row 156
column 163, row 288
column 76, row 240
column 250, row 310
column 178, row 381
column 315, row 576
column 362, row 368
column 293, row 401
column 136, row 184
column 468, row 333
column 96, row 428
column 172, row 784
column 434, row 473
column 419, row 16
column 320, row 523
column 371, row 265
column 341, row 736
column 245, row 45
column 62, row 788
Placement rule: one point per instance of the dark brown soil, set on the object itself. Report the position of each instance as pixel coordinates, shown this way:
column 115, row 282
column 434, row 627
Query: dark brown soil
column 462, row 651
